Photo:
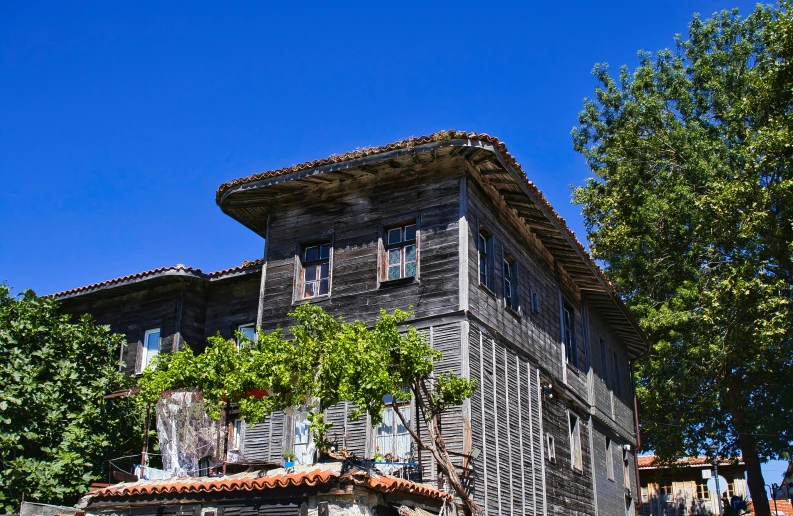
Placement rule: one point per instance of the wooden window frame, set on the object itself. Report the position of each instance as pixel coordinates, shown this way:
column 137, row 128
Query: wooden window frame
column 235, row 434
column 510, row 282
column 240, row 328
column 609, row 459
column 617, row 374
column 626, row 470
column 301, row 265
column 604, row 362
column 550, row 447
column 568, row 334
column 534, row 299
column 484, row 239
column 576, row 451
column 396, row 421
column 143, row 358
column 384, row 248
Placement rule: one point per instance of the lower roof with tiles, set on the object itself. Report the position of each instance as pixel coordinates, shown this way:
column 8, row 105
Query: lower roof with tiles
column 302, row 476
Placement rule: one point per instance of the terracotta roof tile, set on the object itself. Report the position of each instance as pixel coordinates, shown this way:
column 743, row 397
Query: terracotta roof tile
column 321, row 474
column 243, row 266
column 138, row 275
column 178, row 269
column 782, row 507
column 650, row 461
column 241, row 482
column 439, row 137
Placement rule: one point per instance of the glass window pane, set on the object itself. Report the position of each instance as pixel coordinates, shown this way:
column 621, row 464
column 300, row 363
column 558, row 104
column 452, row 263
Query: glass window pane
column 323, row 287
column 386, row 427
column 394, row 256
column 309, row 289
column 410, row 233
column 323, row 271
column 410, row 269
column 311, row 273
column 410, row 253
column 394, row 236
column 324, row 251
column 153, row 342
column 311, row 253
column 393, row 272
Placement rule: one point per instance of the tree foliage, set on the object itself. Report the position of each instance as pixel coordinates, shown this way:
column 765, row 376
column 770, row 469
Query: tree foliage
column 326, row 361
column 691, row 210
column 56, row 430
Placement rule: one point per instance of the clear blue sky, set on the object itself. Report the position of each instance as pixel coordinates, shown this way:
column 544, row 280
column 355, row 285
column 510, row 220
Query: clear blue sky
column 118, row 121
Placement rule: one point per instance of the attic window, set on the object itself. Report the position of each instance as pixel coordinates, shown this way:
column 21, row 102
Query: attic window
column 550, row 446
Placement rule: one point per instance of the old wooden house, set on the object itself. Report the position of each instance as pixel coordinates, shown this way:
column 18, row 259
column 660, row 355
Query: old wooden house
column 681, row 488
column 450, row 225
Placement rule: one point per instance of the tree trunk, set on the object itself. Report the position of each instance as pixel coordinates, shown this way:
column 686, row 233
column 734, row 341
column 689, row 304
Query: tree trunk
column 754, row 474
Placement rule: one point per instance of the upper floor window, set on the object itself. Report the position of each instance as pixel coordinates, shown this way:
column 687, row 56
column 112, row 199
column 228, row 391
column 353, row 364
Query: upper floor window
column 248, row 331
column 568, row 334
column 609, row 460
column 576, row 459
column 604, row 362
column 401, row 258
column 617, row 377
column 626, row 470
column 150, row 348
column 393, row 439
column 315, row 273
column 485, row 248
column 510, row 272
column 550, row 447
column 535, row 300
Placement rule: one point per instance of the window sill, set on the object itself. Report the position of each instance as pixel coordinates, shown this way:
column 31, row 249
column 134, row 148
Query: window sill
column 484, row 288
column 410, row 280
column 577, row 470
column 515, row 313
column 573, row 369
column 315, row 299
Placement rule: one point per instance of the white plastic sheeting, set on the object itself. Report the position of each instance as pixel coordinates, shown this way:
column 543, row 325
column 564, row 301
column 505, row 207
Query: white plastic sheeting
column 187, row 434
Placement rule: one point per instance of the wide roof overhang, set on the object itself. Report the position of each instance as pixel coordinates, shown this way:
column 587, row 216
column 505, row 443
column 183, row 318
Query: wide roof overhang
column 252, row 199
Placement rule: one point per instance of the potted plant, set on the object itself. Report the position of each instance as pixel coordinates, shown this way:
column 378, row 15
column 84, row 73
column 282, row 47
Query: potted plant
column 289, row 458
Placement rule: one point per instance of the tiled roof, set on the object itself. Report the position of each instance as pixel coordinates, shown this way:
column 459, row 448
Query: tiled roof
column 409, row 143
column 782, row 507
column 280, row 478
column 651, row 461
column 136, row 276
column 161, row 271
column 243, row 266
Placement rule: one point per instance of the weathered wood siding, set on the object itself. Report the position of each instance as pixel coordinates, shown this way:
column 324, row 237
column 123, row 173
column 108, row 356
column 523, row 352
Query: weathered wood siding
column 505, row 424
column 536, row 333
column 613, row 409
column 353, row 216
column 231, row 302
column 134, row 313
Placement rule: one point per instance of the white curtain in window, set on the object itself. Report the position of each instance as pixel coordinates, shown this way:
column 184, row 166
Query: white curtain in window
column 303, row 444
column 402, row 437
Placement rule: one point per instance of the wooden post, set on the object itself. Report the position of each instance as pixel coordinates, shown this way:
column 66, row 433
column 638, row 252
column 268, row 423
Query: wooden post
column 226, row 439
column 144, row 454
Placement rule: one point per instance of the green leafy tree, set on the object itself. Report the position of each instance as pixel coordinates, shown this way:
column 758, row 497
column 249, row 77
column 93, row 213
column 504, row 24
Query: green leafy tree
column 326, row 361
column 691, row 210
column 56, row 430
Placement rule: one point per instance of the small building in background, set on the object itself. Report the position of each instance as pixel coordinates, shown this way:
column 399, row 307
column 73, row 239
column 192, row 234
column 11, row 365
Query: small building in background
column 681, row 489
